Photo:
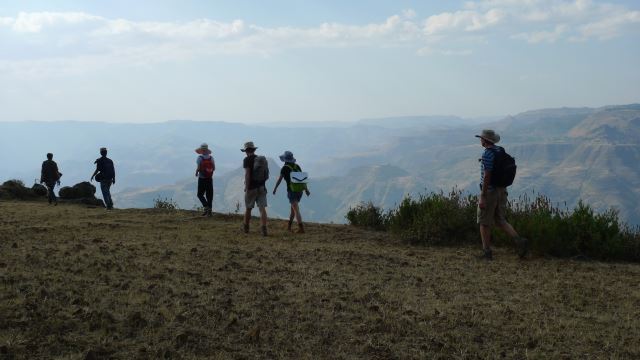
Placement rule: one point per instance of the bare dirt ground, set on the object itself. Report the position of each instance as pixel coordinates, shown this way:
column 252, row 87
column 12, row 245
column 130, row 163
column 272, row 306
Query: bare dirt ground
column 81, row 283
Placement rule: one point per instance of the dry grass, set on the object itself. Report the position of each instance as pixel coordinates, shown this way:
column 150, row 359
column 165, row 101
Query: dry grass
column 84, row 283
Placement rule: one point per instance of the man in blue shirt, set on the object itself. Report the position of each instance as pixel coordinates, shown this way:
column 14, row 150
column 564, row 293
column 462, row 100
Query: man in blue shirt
column 493, row 200
column 105, row 174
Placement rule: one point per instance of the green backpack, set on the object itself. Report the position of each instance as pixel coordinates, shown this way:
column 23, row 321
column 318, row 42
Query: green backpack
column 298, row 181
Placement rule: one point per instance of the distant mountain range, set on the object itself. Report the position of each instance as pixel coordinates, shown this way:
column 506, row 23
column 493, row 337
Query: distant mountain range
column 568, row 154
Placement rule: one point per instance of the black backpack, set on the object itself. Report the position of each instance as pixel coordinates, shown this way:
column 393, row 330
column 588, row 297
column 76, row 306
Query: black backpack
column 504, row 168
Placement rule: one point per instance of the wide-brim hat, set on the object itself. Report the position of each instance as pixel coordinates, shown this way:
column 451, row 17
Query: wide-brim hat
column 203, row 149
column 287, row 157
column 248, row 146
column 490, row 136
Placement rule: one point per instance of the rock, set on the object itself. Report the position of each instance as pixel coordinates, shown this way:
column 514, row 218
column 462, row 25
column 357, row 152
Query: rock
column 15, row 189
column 84, row 190
column 39, row 189
column 67, row 192
column 78, row 191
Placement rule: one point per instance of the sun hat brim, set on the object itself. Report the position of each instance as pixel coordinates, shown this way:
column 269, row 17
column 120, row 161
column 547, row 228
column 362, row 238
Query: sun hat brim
column 287, row 159
column 202, row 151
column 493, row 141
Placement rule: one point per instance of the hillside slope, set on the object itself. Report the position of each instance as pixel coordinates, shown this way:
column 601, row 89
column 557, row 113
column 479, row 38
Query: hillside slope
column 80, row 282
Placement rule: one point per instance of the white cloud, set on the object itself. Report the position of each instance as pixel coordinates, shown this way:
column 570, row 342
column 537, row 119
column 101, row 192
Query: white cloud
column 428, row 51
column 78, row 39
column 461, row 20
column 610, row 26
column 36, row 21
column 542, row 36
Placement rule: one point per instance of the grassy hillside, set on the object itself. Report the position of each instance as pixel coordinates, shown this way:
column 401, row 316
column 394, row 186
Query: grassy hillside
column 80, row 282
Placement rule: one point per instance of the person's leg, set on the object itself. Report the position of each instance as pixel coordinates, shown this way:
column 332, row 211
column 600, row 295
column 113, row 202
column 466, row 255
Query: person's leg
column 292, row 216
column 209, row 193
column 249, row 203
column 200, row 194
column 106, row 194
column 109, row 195
column 53, row 194
column 296, row 208
column 485, row 235
column 263, row 216
column 50, row 194
column 521, row 243
column 261, row 202
column 486, row 220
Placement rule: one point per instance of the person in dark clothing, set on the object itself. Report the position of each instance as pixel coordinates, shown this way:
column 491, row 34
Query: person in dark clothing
column 294, row 192
column 105, row 174
column 50, row 176
column 204, row 172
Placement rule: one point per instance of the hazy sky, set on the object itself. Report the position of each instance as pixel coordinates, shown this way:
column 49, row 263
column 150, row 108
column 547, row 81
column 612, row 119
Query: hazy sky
column 256, row 61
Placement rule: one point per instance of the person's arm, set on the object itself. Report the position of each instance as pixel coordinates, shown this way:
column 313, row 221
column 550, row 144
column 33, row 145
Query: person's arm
column 114, row 173
column 487, row 164
column 247, row 178
column 42, row 174
column 198, row 166
column 94, row 174
column 277, row 184
column 306, row 189
column 485, row 188
column 57, row 172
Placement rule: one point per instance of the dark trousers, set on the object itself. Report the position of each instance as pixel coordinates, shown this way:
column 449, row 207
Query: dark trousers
column 205, row 192
column 105, row 186
column 50, row 194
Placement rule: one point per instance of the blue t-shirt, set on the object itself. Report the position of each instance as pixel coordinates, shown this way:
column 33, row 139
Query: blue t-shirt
column 486, row 163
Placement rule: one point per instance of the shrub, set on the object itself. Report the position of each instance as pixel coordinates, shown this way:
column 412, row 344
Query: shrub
column 368, row 216
column 450, row 219
column 436, row 218
column 165, row 204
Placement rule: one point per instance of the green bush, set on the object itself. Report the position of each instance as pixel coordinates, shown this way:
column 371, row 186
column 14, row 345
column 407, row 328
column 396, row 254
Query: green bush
column 436, row 218
column 367, row 215
column 450, row 219
column 165, row 204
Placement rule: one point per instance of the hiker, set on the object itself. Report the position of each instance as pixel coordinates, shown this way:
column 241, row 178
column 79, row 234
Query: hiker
column 50, row 176
column 256, row 173
column 294, row 189
column 204, row 173
column 493, row 197
column 105, row 174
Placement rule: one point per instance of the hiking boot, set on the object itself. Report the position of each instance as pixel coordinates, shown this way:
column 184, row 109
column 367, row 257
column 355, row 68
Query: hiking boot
column 264, row 231
column 523, row 246
column 245, row 228
column 300, row 229
column 289, row 225
column 486, row 255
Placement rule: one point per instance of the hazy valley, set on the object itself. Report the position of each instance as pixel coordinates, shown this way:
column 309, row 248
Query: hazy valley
column 568, row 154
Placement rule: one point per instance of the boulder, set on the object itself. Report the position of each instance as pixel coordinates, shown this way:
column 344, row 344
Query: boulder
column 39, row 189
column 78, row 191
column 15, row 189
column 85, row 190
column 67, row 192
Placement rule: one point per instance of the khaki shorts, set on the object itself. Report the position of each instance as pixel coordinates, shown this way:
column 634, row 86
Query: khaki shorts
column 255, row 197
column 494, row 209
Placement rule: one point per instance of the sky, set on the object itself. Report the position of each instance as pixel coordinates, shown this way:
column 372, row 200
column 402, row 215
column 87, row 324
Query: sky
column 293, row 61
